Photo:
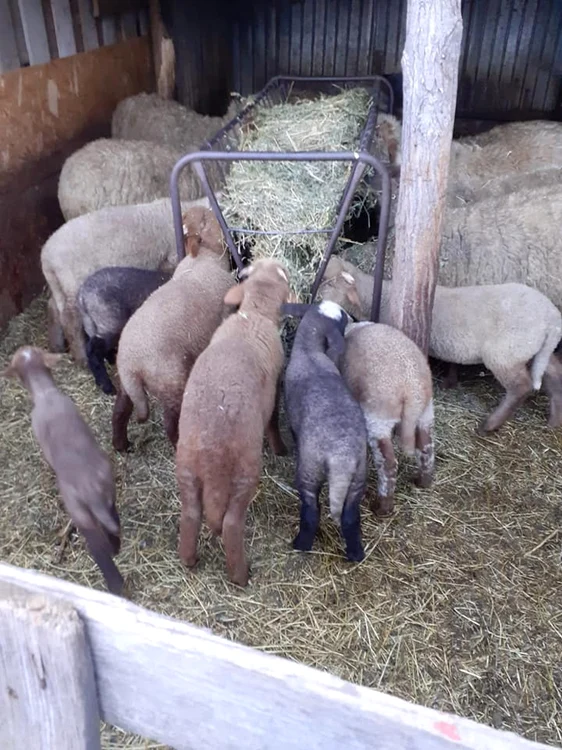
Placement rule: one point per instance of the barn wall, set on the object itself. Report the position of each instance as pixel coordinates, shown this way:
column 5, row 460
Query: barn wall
column 511, row 60
column 46, row 112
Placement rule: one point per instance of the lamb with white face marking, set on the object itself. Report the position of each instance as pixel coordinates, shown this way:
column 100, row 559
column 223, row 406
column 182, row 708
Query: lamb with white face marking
column 328, row 428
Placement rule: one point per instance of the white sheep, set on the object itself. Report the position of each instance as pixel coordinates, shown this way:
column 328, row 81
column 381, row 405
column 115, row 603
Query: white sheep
column 109, row 172
column 149, row 117
column 390, row 378
column 141, row 236
column 502, row 326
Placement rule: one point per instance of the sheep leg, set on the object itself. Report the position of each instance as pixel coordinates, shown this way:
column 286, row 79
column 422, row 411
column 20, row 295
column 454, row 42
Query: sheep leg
column 54, row 329
column 278, row 447
column 191, row 516
column 385, row 464
column 518, row 386
column 171, row 424
column 74, row 334
column 309, row 490
column 95, row 352
column 100, row 549
column 425, row 456
column 122, row 410
column 351, row 520
column 233, row 527
column 451, row 379
column 552, row 381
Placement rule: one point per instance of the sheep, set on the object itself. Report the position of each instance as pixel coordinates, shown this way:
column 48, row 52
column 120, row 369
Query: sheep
column 229, row 401
column 106, row 300
column 506, row 239
column 390, row 378
column 502, row 326
column 149, row 117
column 141, row 236
column 328, row 428
column 83, row 471
column 503, row 160
column 163, row 338
column 111, row 172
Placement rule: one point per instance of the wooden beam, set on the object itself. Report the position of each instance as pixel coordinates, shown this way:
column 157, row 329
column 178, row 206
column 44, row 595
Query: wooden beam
column 9, row 58
column 47, row 686
column 89, row 31
column 163, row 53
column 187, row 688
column 430, row 65
column 35, row 32
column 110, row 7
column 64, row 30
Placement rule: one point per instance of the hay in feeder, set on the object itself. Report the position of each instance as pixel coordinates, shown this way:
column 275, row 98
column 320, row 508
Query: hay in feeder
column 292, row 196
column 456, row 605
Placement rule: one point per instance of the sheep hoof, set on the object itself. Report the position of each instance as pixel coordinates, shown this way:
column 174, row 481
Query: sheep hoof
column 382, row 507
column 423, row 481
column 190, row 561
column 554, row 422
column 241, row 578
column 302, row 544
column 109, row 389
column 355, row 555
column 483, row 429
column 121, row 447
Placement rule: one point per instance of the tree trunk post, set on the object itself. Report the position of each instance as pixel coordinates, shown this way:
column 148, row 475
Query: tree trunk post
column 430, row 63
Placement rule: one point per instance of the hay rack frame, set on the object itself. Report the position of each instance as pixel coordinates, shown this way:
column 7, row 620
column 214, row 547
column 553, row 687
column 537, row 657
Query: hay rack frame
column 222, row 148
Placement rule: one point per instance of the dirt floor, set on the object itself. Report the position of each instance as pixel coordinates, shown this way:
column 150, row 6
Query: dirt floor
column 457, row 606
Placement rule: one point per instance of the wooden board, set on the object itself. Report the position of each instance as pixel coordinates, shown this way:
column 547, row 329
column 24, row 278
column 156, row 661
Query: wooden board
column 9, row 58
column 110, row 7
column 47, row 685
column 89, row 31
column 64, row 30
column 35, row 31
column 187, row 688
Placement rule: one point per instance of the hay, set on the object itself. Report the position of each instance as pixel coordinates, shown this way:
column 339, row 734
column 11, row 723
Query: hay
column 456, row 607
column 290, row 196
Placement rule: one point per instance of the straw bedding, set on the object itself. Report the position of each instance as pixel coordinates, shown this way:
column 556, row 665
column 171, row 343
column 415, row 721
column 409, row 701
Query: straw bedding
column 290, row 196
column 457, row 605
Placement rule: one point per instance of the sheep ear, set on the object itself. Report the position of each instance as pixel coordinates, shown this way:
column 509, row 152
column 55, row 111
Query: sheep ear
column 51, row 360
column 235, row 295
column 353, row 296
column 192, row 243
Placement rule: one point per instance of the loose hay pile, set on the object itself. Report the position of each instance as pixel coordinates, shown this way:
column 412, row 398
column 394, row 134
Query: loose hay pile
column 457, row 605
column 292, row 196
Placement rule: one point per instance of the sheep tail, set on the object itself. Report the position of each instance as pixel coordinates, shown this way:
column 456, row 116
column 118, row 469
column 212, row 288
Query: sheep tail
column 408, row 424
column 132, row 384
column 216, row 497
column 340, row 477
column 542, row 357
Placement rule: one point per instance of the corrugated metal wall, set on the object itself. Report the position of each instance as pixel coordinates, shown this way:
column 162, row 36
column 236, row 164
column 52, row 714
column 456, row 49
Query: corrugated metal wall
column 511, row 62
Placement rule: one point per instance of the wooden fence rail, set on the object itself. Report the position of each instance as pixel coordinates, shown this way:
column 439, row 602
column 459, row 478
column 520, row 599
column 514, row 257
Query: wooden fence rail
column 184, row 686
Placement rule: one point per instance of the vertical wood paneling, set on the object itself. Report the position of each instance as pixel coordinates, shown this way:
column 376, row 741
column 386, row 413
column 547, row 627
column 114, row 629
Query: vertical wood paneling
column 511, row 54
column 9, row 58
column 88, row 24
column 34, row 30
column 64, row 29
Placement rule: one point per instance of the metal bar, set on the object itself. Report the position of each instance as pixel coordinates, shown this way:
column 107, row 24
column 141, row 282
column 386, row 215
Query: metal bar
column 360, row 158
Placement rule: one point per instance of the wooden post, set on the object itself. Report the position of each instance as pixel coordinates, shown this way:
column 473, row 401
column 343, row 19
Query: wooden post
column 162, row 53
column 430, row 65
column 47, row 688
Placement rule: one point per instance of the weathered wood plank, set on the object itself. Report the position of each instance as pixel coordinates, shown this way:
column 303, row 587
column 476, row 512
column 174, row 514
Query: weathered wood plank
column 187, row 688
column 9, row 58
column 89, row 32
column 163, row 53
column 35, row 32
column 129, row 25
column 109, row 30
column 64, row 30
column 430, row 65
column 108, row 7
column 47, row 685
column 143, row 21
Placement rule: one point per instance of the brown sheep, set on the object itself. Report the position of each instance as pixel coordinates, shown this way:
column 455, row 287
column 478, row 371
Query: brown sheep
column 163, row 338
column 229, row 401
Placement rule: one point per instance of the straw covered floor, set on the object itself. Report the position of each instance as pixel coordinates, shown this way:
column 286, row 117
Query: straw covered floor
column 457, row 606
column 292, row 196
